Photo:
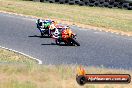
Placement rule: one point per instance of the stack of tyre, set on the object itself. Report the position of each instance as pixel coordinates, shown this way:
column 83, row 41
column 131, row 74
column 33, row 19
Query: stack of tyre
column 124, row 4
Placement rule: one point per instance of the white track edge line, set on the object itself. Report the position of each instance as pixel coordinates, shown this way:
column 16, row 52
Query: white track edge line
column 39, row 61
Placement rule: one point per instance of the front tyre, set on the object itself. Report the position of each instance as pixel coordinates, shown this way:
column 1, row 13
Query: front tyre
column 74, row 41
column 42, row 34
column 57, row 42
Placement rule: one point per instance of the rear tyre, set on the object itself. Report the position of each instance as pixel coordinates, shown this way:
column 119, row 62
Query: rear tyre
column 62, row 1
column 100, row 5
column 81, row 3
column 51, row 1
column 106, row 4
column 96, row 3
column 119, row 5
column 91, row 4
column 115, row 4
column 125, row 5
column 71, row 2
column 110, row 6
column 129, row 8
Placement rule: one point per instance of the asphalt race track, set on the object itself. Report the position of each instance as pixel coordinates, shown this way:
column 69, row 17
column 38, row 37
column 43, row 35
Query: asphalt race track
column 97, row 48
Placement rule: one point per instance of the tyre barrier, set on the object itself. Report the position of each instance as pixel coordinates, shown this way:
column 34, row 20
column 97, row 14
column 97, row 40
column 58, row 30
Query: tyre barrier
column 123, row 4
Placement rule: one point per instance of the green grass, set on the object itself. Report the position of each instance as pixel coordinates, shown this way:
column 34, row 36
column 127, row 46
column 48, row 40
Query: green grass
column 50, row 76
column 116, row 19
column 7, row 57
column 28, row 74
column 17, row 84
column 17, row 71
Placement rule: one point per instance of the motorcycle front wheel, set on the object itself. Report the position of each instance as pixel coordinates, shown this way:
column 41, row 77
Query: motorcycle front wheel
column 74, row 41
column 57, row 42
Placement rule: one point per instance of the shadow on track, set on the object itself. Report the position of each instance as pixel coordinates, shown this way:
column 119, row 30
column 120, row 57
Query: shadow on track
column 38, row 36
column 55, row 44
column 49, row 44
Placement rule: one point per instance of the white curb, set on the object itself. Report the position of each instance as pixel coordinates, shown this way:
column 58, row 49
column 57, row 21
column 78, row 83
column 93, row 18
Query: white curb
column 39, row 61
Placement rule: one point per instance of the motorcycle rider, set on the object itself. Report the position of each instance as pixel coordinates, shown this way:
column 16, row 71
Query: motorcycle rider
column 39, row 23
column 47, row 23
column 52, row 27
column 60, row 32
column 43, row 25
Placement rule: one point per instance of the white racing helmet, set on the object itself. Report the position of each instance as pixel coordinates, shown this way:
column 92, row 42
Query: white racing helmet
column 40, row 22
column 56, row 33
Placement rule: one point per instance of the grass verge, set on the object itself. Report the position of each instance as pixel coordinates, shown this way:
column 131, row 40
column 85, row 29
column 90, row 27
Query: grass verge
column 28, row 74
column 117, row 20
column 8, row 57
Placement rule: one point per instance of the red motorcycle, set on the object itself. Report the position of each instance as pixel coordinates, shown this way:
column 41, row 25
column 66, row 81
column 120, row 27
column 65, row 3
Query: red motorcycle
column 65, row 35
